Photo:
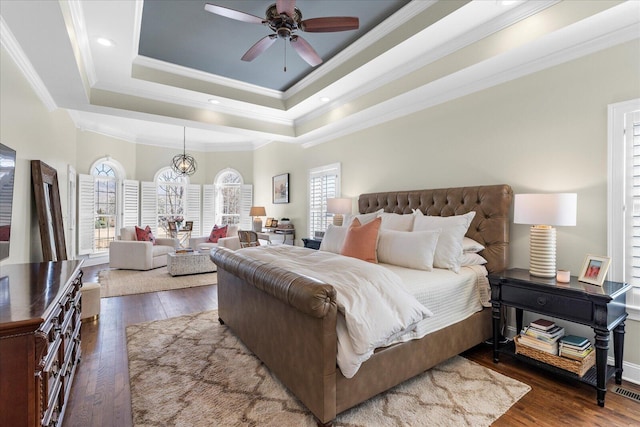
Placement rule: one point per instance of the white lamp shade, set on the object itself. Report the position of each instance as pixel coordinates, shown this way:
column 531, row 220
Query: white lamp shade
column 546, row 209
column 339, row 206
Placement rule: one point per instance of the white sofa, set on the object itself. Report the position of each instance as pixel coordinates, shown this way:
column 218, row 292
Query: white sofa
column 129, row 254
column 202, row 244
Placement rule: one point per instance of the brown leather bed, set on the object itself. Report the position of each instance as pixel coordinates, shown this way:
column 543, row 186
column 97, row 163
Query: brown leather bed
column 289, row 320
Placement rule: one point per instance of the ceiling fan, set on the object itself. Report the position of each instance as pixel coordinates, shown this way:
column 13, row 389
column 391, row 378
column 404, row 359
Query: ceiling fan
column 284, row 19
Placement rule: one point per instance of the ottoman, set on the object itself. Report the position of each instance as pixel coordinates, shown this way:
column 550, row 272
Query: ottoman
column 90, row 294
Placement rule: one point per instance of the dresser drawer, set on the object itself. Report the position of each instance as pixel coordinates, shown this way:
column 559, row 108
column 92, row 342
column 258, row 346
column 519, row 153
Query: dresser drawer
column 550, row 304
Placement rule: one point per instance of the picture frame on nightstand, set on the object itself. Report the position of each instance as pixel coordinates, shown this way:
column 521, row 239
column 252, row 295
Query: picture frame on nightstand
column 594, row 269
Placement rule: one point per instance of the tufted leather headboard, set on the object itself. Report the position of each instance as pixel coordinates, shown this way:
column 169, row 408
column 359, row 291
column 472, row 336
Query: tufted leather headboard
column 490, row 226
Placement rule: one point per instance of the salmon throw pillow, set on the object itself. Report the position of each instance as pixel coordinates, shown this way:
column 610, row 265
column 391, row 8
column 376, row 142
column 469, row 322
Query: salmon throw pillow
column 217, row 233
column 361, row 241
column 145, row 235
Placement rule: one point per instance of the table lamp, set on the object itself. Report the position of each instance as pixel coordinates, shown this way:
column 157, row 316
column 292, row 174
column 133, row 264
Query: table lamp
column 256, row 212
column 338, row 207
column 543, row 211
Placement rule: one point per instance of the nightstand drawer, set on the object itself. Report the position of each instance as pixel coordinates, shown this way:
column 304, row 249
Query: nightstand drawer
column 550, row 304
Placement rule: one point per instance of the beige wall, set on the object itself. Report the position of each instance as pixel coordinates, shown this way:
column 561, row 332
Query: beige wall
column 546, row 132
column 35, row 134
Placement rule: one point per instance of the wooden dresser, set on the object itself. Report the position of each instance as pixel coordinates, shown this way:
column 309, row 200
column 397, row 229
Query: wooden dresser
column 39, row 340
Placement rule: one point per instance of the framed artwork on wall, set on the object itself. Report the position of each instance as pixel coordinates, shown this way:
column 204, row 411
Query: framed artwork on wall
column 281, row 188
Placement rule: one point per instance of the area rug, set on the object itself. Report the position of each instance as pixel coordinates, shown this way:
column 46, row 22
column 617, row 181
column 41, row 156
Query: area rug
column 115, row 283
column 192, row 371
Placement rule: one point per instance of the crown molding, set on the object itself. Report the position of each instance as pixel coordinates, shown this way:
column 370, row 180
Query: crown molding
column 82, row 39
column 474, row 79
column 448, row 47
column 10, row 44
column 376, row 34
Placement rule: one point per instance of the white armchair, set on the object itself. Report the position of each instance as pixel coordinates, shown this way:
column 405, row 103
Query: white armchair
column 202, row 244
column 130, row 254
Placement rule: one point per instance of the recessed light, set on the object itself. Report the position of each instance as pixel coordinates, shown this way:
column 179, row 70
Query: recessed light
column 325, row 99
column 214, row 101
column 103, row 41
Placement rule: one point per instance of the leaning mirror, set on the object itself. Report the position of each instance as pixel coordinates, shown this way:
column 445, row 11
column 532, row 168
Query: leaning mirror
column 47, row 196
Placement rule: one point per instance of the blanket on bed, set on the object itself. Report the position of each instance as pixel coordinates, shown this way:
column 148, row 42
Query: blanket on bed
column 374, row 306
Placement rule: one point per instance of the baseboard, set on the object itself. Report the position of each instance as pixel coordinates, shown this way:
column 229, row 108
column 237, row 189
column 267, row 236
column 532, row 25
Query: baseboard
column 630, row 371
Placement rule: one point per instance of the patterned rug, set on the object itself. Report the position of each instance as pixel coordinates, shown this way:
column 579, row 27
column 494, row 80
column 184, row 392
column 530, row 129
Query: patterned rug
column 114, row 283
column 191, row 371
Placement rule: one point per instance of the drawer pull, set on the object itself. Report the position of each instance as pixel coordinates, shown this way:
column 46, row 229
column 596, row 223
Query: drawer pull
column 542, row 300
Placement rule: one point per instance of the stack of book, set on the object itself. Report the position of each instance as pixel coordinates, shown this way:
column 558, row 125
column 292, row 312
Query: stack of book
column 542, row 335
column 184, row 251
column 575, row 347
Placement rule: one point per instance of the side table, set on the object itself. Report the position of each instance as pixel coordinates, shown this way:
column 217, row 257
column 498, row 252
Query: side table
column 600, row 307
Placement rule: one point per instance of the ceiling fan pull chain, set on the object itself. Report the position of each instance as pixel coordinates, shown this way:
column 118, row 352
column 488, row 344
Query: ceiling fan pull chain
column 285, row 56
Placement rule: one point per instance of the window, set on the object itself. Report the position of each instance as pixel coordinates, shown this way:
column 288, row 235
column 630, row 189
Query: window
column 624, row 198
column 170, row 191
column 105, row 205
column 324, row 183
column 228, row 197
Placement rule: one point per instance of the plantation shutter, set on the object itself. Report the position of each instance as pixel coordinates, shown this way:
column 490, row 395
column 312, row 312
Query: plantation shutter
column 632, row 251
column 246, row 201
column 193, row 208
column 130, row 205
column 149, row 206
column 86, row 214
column 324, row 183
column 208, row 208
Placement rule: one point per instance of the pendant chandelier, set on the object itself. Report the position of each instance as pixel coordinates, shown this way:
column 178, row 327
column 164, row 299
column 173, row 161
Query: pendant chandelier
column 184, row 164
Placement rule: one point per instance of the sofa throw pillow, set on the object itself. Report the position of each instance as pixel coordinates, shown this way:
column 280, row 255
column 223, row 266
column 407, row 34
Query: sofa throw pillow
column 411, row 249
column 333, row 239
column 145, row 235
column 361, row 241
column 217, row 233
column 452, row 231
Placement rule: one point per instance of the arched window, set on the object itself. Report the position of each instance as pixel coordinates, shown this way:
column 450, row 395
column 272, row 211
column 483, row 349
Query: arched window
column 171, row 192
column 228, row 197
column 106, row 175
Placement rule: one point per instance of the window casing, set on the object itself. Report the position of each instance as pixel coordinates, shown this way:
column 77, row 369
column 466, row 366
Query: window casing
column 624, row 199
column 324, row 183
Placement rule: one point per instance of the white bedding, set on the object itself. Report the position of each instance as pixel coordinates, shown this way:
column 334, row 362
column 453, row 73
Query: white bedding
column 362, row 289
column 451, row 297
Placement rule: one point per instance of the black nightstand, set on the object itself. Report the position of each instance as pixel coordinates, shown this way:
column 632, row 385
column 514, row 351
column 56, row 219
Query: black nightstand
column 601, row 307
column 311, row 243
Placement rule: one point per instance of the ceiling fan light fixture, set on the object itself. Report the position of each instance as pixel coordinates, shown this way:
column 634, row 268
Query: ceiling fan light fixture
column 184, row 164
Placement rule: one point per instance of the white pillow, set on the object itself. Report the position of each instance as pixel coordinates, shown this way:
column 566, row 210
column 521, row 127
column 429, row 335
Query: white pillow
column 333, row 239
column 471, row 258
column 363, row 218
column 453, row 229
column 397, row 222
column 470, row 245
column 408, row 249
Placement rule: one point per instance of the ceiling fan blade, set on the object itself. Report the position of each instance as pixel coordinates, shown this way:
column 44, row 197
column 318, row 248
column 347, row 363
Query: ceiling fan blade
column 233, row 14
column 260, row 46
column 330, row 24
column 286, row 6
column 305, row 51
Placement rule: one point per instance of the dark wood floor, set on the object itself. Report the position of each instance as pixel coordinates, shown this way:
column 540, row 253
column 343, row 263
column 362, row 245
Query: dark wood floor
column 100, row 394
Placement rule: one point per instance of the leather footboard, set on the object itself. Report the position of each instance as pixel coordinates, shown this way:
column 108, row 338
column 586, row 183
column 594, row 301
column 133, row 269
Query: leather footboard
column 298, row 344
column 392, row 365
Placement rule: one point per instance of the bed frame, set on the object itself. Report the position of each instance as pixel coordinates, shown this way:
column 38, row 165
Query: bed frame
column 289, row 321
